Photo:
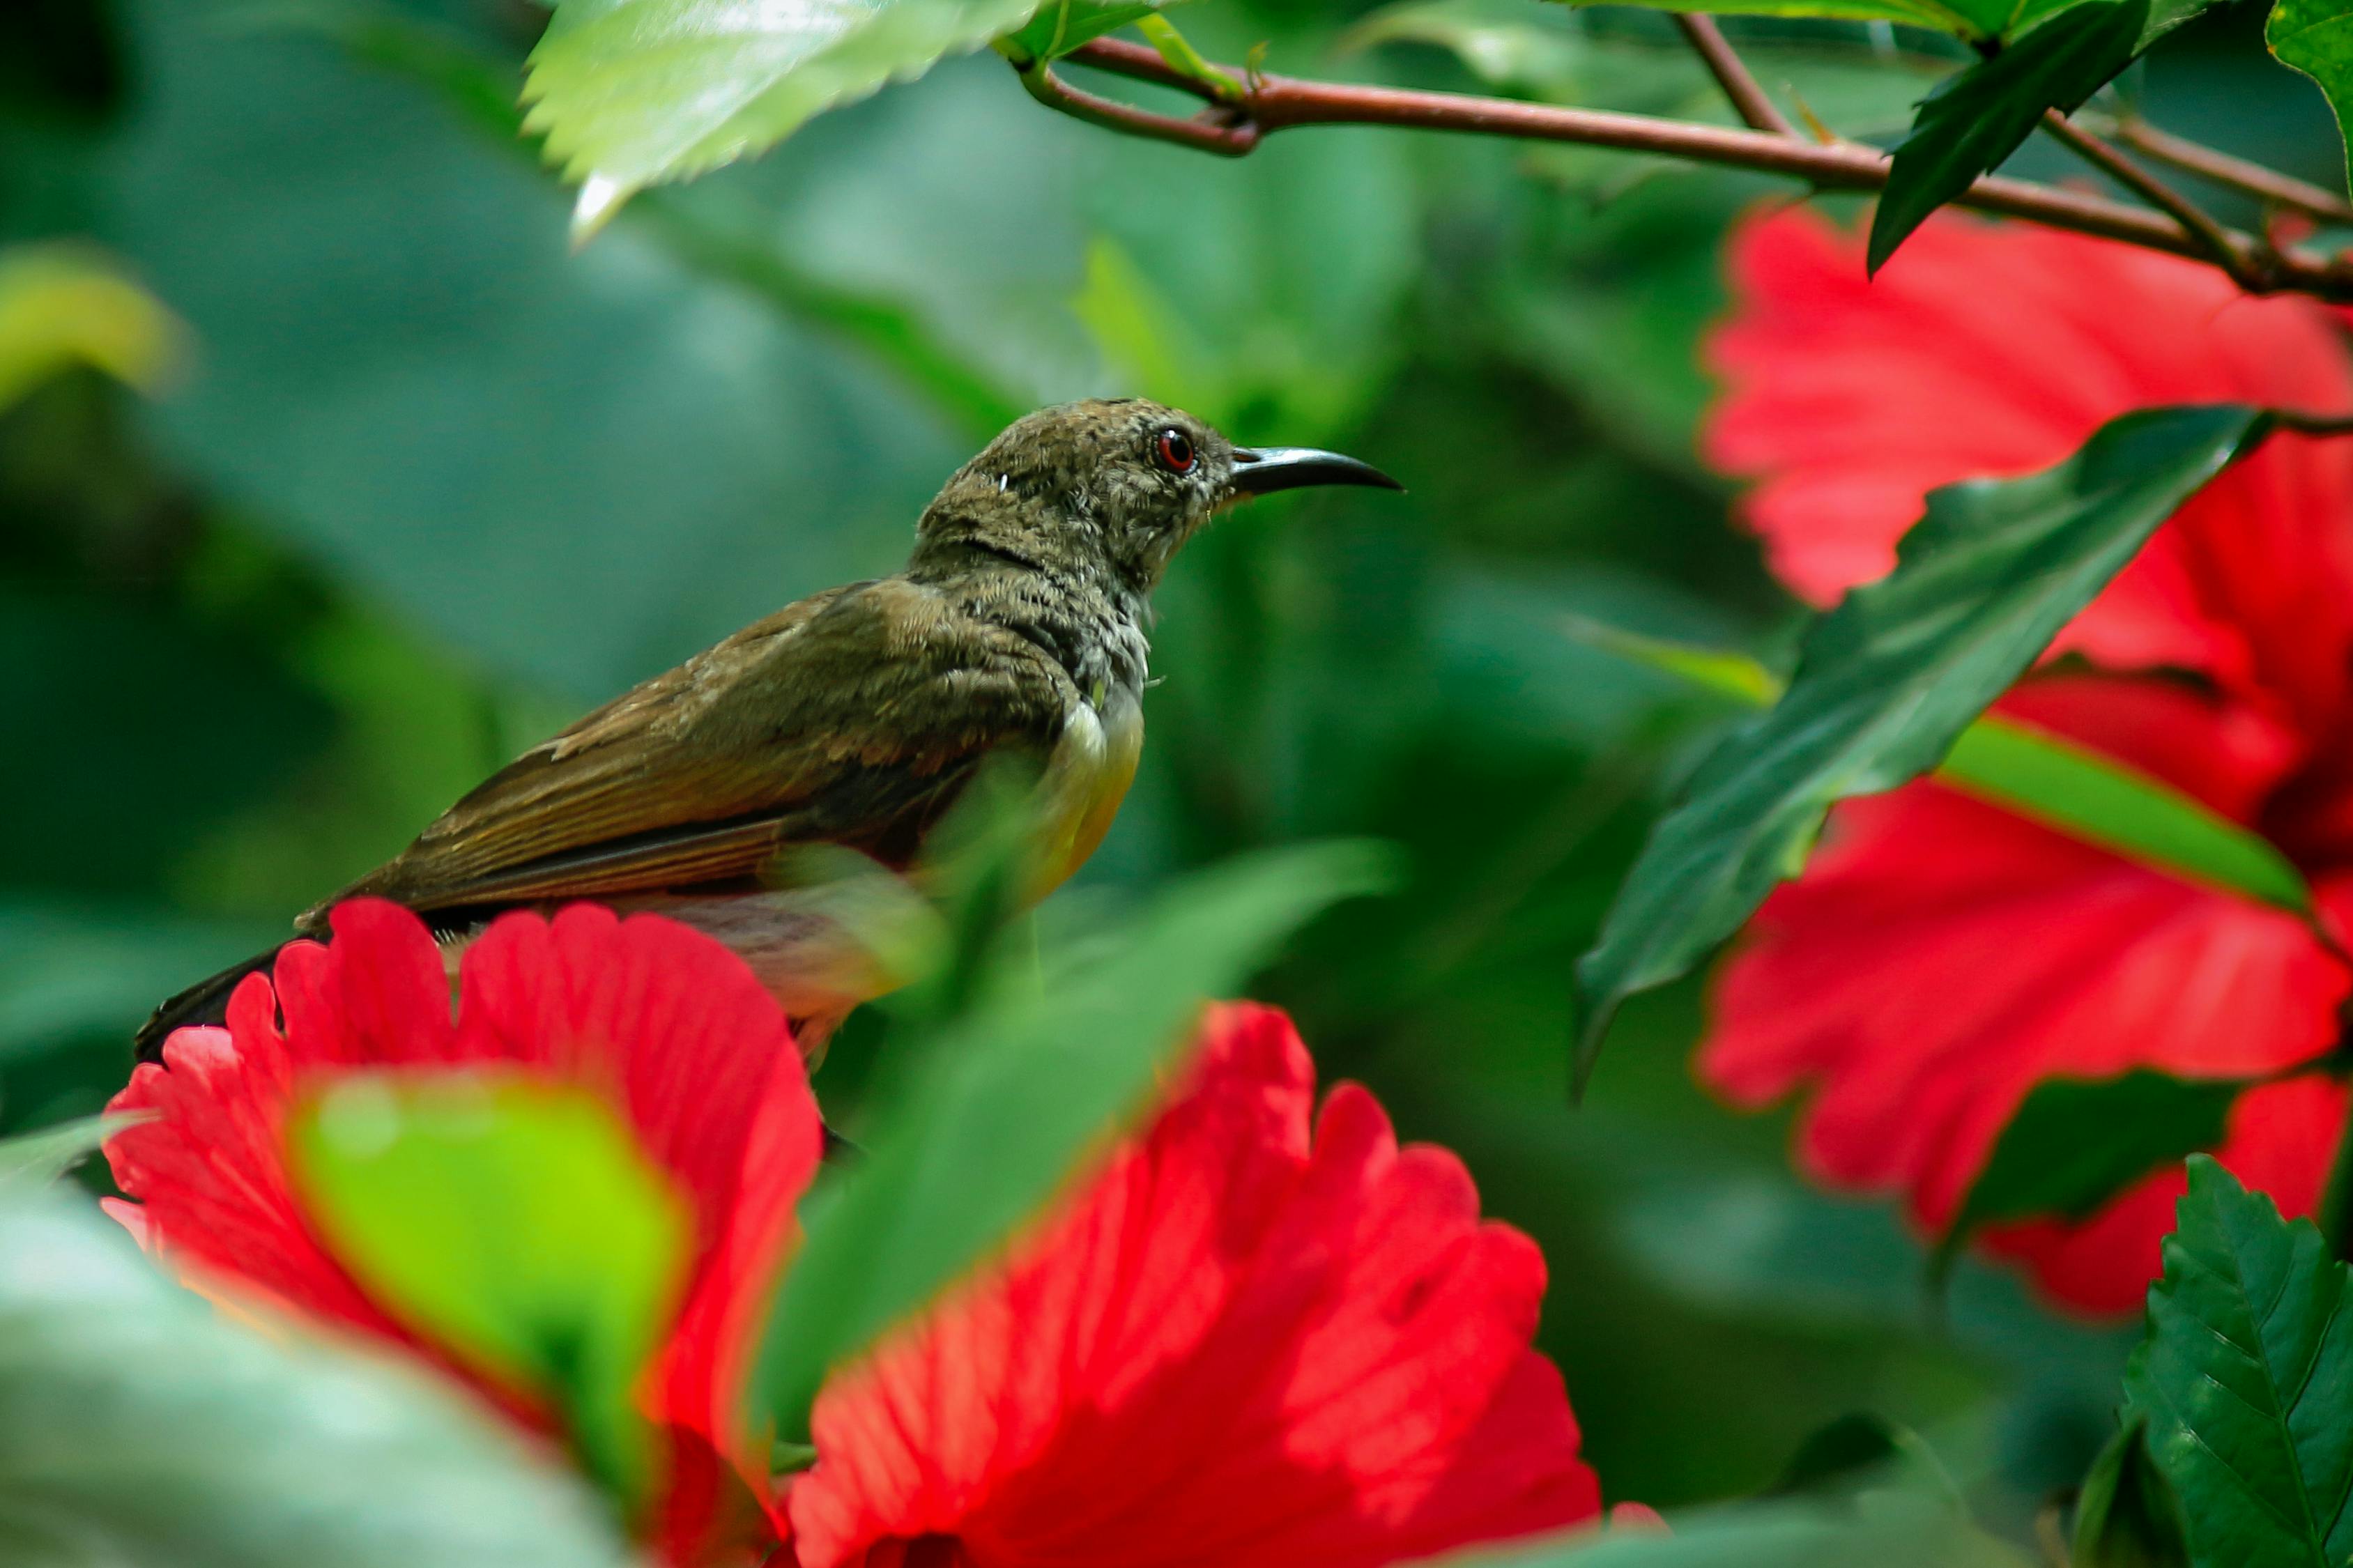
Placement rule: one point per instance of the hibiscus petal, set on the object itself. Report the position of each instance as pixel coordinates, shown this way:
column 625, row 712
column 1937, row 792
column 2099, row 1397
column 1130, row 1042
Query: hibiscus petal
column 1849, row 399
column 1245, row 1344
column 1942, row 956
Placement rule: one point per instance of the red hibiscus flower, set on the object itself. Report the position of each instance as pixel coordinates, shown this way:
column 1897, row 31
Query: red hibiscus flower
column 666, row 1024
column 1939, row 957
column 1242, row 1342
column 1250, row 1341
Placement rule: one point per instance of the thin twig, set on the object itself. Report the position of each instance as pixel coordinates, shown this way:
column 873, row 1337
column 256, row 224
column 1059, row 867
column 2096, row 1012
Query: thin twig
column 2235, row 174
column 1748, row 95
column 2245, row 261
column 1277, row 103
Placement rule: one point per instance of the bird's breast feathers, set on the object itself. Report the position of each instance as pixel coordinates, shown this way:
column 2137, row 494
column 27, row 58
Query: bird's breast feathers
column 1087, row 775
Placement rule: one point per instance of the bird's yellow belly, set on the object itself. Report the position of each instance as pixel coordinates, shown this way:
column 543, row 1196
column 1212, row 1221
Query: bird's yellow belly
column 1086, row 777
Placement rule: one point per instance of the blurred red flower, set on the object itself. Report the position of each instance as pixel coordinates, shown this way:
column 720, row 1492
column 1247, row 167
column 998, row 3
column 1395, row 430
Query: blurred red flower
column 1940, row 956
column 692, row 1053
column 1261, row 1336
column 1244, row 1340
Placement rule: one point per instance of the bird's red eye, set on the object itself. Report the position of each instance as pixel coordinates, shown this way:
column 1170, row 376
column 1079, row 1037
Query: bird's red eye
column 1175, row 450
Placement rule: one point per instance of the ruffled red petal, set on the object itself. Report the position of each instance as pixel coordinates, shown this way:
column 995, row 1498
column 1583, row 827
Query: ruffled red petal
column 1244, row 1345
column 1994, row 349
column 668, row 1023
column 1941, row 956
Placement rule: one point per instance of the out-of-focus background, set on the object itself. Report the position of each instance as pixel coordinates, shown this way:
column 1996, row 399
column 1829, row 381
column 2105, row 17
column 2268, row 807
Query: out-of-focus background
column 407, row 484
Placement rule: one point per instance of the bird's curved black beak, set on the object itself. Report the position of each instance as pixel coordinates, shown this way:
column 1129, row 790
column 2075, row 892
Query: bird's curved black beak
column 1262, row 470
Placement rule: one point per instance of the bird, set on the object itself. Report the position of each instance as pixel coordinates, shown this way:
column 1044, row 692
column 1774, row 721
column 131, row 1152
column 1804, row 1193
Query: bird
column 853, row 720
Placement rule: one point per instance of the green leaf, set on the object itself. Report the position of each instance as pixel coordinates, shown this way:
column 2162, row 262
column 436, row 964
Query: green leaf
column 44, row 1155
column 630, row 93
column 2073, row 1145
column 2316, row 36
column 1886, row 682
column 1979, row 117
column 141, row 1429
column 62, row 305
column 2100, row 801
column 1008, row 1099
column 2033, row 773
column 1963, row 19
column 515, row 1222
column 2245, row 1381
column 1912, row 1532
column 2126, row 1516
column 1062, row 26
column 1861, row 1450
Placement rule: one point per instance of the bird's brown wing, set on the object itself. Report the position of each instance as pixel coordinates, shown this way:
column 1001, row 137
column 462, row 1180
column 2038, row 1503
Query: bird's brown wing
column 849, row 717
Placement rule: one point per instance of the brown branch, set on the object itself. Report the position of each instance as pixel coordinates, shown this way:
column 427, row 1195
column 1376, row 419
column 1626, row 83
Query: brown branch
column 1747, row 96
column 2246, row 261
column 2240, row 174
column 1278, row 103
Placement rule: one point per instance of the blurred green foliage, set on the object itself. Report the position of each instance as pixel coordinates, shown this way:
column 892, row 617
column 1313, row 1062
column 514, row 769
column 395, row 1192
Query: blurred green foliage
column 429, row 483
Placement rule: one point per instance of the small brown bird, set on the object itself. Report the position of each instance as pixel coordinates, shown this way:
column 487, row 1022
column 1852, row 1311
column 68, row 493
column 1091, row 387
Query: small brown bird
column 855, row 717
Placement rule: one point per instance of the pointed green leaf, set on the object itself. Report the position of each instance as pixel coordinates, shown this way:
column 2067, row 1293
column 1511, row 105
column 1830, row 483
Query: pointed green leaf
column 2100, row 801
column 1979, row 117
column 2073, row 1145
column 2037, row 774
column 515, row 1222
column 2244, row 1378
column 1010, row 1099
column 140, row 1427
column 2126, row 1516
column 630, row 93
column 1887, row 681
column 1062, row 26
column 2316, row 36
column 45, row 1155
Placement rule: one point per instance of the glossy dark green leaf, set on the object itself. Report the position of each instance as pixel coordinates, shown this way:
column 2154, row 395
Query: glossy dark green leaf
column 517, row 1223
column 2126, row 1516
column 2035, row 773
column 1010, row 1098
column 1979, row 116
column 630, row 93
column 1886, row 682
column 141, row 1429
column 2073, row 1145
column 2316, row 36
column 2244, row 1380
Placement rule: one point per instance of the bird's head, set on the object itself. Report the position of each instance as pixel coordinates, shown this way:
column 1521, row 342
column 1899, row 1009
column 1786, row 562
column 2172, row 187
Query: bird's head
column 1117, row 483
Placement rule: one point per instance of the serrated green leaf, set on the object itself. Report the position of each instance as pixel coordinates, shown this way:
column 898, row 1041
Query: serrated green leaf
column 2073, row 1145
column 44, row 1155
column 629, row 93
column 1887, row 681
column 517, row 1223
column 1010, row 1099
column 2245, row 1381
column 140, row 1428
column 2316, row 36
column 2126, row 1516
column 1979, row 117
